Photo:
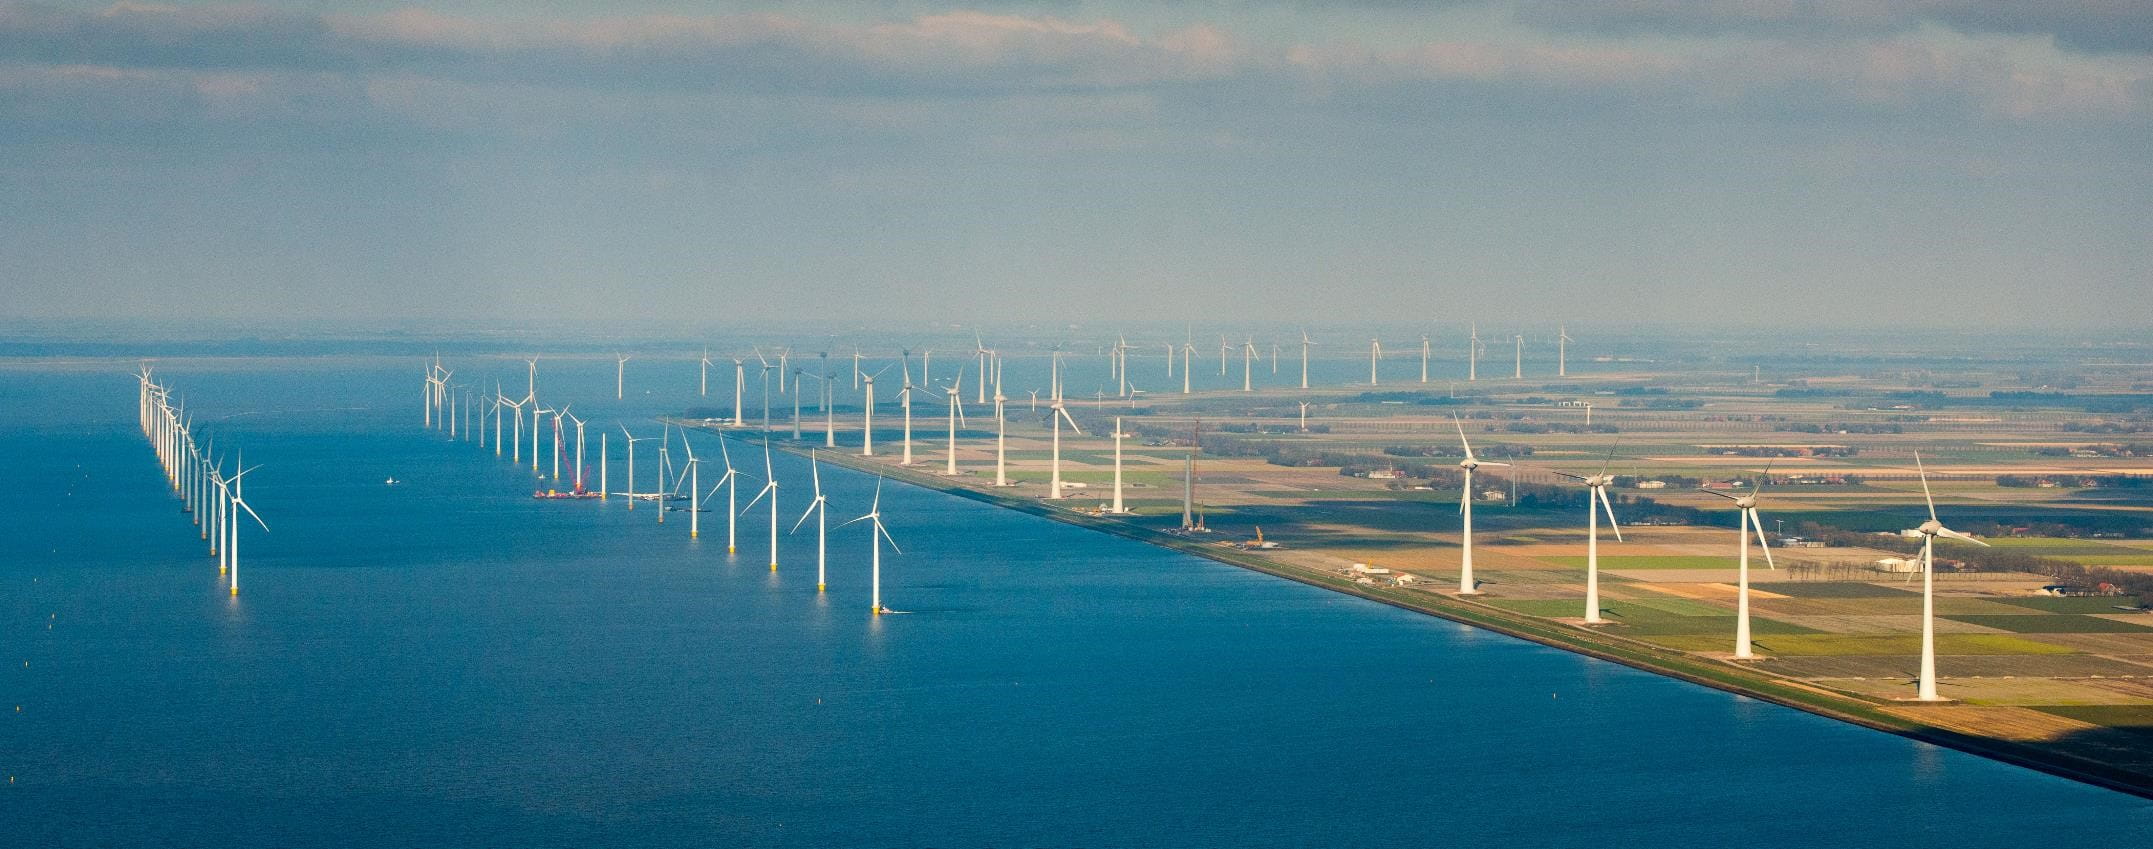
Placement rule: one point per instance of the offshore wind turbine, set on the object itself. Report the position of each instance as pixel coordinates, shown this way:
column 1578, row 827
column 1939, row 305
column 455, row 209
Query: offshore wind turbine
column 695, row 487
column 765, row 361
column 620, row 376
column 874, row 515
column 536, row 411
column 705, row 384
column 1595, row 497
column 1225, row 353
column 1248, row 353
column 1562, row 351
column 730, row 481
column 231, row 543
column 1466, row 584
column 1930, row 530
column 632, row 440
column 1744, row 521
column 819, row 508
column 769, row 489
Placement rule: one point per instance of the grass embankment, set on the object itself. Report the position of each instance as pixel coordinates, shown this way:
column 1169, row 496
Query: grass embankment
column 1729, row 676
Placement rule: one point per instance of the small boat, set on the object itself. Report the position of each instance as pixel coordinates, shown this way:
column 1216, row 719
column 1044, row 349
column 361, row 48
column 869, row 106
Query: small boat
column 392, row 482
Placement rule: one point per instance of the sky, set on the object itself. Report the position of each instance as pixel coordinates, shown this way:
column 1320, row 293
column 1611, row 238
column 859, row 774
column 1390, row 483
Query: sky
column 1862, row 163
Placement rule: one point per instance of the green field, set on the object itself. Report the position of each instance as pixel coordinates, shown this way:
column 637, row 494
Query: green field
column 1887, row 644
column 2051, row 623
column 1839, row 589
column 2073, row 604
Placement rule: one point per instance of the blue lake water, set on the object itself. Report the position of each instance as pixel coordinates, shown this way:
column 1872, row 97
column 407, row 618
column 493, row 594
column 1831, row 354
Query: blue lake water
column 449, row 662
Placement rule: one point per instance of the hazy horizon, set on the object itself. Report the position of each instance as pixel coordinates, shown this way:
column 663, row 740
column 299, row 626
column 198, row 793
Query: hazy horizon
column 1688, row 163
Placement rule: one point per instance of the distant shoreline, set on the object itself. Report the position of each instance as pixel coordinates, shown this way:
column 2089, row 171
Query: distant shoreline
column 1724, row 676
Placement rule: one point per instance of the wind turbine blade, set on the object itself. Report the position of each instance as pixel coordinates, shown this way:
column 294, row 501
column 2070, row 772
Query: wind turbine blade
column 811, row 505
column 1758, row 523
column 850, row 521
column 1726, row 495
column 1610, row 505
column 250, row 511
column 1461, row 436
column 758, row 497
column 1568, row 475
column 885, row 532
column 1957, row 535
column 875, row 509
column 1925, row 496
column 814, row 469
column 1503, row 465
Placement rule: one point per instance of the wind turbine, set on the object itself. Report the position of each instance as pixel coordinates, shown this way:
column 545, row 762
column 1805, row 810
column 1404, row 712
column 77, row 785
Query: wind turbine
column 904, row 403
column 769, row 489
column 867, row 415
column 1930, row 530
column 1248, row 353
column 981, row 352
column 1306, row 343
column 1225, row 353
column 632, row 440
column 1518, row 371
column 1466, row 584
column 1424, row 358
column 731, row 482
column 1118, row 437
column 740, row 387
column 536, row 411
column 955, row 394
column 1562, row 351
column 1744, row 521
column 1472, row 354
column 819, row 508
column 766, row 385
column 705, row 390
column 1059, row 414
column 1375, row 352
column 1001, row 443
column 695, row 487
column 1596, row 496
column 874, row 515
column 231, row 544
column 579, row 450
column 1188, row 350
column 620, row 376
column 1304, row 416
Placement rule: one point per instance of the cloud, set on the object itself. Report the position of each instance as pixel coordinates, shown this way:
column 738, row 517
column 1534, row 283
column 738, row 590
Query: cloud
column 2087, row 25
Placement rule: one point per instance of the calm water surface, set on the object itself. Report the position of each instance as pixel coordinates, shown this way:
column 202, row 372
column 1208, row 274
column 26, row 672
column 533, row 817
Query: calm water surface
column 451, row 663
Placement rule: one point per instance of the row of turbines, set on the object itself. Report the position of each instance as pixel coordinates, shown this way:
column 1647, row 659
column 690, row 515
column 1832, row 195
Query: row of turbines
column 989, row 364
column 196, row 473
column 1118, row 357
column 1598, row 501
column 444, row 413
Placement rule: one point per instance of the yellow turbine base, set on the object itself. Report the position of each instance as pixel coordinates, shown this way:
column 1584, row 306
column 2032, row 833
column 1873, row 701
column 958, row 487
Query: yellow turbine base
column 235, row 590
column 691, row 534
column 773, row 567
column 878, row 611
column 818, row 588
column 731, row 550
